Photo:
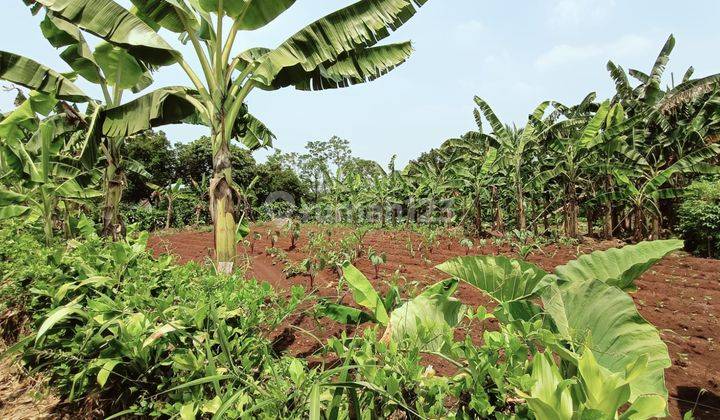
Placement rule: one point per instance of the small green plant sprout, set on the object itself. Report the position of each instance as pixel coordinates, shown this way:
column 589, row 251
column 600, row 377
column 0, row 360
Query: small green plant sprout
column 376, row 259
column 498, row 241
column 410, row 247
column 274, row 235
column 524, row 251
column 294, row 233
column 467, row 244
column 256, row 236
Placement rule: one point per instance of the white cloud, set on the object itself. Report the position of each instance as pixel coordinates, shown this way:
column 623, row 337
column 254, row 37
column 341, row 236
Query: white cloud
column 468, row 32
column 565, row 54
column 580, row 12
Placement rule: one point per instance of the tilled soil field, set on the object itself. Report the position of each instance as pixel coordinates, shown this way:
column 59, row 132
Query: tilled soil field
column 680, row 295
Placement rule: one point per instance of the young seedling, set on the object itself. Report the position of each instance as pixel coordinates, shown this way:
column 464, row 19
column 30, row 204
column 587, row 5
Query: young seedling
column 467, row 244
column 410, row 247
column 376, row 259
column 273, row 235
column 256, row 237
column 294, row 233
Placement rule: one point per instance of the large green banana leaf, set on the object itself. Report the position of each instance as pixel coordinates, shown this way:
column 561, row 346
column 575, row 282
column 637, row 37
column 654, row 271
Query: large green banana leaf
column 427, row 318
column 350, row 68
column 503, row 279
column 33, row 75
column 116, row 25
column 604, row 318
column 168, row 105
column 364, row 293
column 355, row 27
column 170, row 14
column 256, row 135
column 61, row 33
column 618, row 266
column 259, row 13
column 250, row 14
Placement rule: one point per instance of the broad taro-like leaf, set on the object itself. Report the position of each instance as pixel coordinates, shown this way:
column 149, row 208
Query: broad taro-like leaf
column 618, row 266
column 502, row 278
column 604, row 319
column 427, row 318
column 33, row 75
column 364, row 293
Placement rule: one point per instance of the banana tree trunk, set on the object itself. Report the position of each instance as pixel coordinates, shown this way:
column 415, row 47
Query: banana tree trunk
column 571, row 212
column 590, row 214
column 114, row 183
column 222, row 206
column 478, row 216
column 498, row 226
column 607, row 231
column 638, row 223
column 47, row 216
column 656, row 222
column 521, row 207
column 168, row 216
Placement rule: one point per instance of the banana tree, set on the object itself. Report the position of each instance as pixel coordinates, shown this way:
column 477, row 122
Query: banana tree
column 199, row 189
column 335, row 51
column 435, row 181
column 382, row 191
column 478, row 173
column 515, row 149
column 642, row 187
column 43, row 154
column 120, row 63
column 574, row 154
column 170, row 193
column 668, row 124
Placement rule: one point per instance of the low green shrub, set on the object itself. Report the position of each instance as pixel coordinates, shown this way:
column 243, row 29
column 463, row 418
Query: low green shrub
column 699, row 218
column 144, row 217
column 109, row 319
column 110, row 323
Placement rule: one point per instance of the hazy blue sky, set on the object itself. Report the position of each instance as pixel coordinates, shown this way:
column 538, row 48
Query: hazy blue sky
column 514, row 54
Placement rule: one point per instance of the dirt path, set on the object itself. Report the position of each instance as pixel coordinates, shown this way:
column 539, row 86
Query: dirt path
column 24, row 397
column 680, row 295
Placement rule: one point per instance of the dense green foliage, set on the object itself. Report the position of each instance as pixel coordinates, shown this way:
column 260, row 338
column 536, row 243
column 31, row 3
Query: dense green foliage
column 699, row 218
column 106, row 321
column 151, row 338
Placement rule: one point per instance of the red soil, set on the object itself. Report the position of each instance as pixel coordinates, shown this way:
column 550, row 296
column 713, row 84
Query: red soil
column 680, row 295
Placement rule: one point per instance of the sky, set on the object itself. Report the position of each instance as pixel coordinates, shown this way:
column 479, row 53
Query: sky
column 512, row 53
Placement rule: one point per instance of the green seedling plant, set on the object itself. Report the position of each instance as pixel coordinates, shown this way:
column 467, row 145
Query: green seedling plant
column 256, row 237
column 467, row 244
column 295, row 229
column 274, row 236
column 377, row 259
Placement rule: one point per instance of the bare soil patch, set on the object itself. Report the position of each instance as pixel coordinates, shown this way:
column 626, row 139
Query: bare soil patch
column 680, row 295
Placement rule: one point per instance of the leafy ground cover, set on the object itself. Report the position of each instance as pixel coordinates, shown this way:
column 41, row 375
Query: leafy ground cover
column 679, row 295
